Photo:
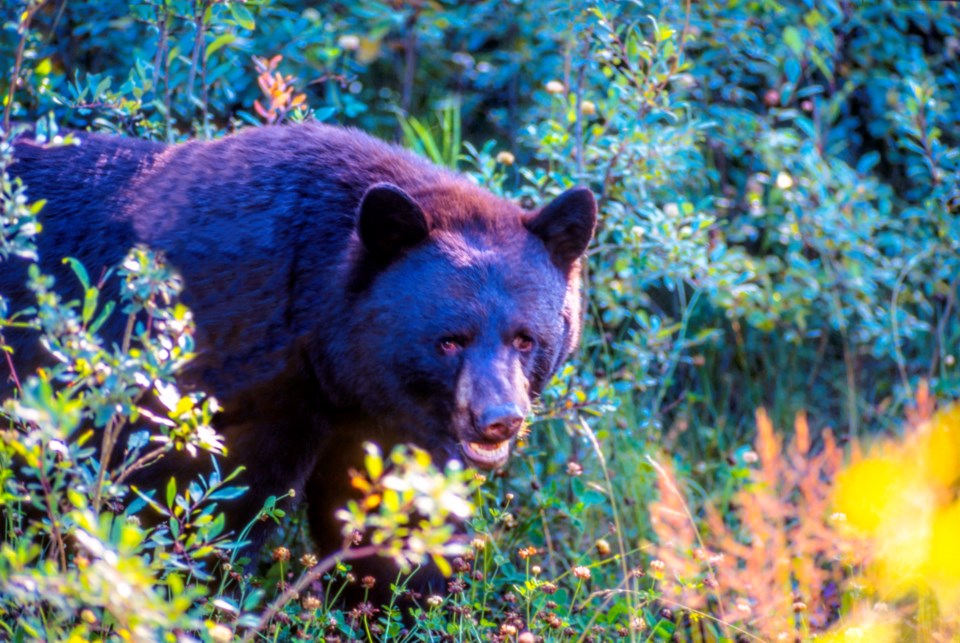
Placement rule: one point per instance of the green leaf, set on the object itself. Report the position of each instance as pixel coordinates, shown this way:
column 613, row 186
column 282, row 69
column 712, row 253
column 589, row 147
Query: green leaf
column 242, row 15
column 103, row 316
column 79, row 271
column 89, row 304
column 219, row 43
column 171, row 491
column 793, row 40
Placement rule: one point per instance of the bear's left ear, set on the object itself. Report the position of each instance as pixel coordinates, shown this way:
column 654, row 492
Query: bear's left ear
column 566, row 225
column 390, row 221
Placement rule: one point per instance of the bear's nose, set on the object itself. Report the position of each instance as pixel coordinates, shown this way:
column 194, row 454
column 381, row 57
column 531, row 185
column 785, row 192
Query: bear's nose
column 500, row 423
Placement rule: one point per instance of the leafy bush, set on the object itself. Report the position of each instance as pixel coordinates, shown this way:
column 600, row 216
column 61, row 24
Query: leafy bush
column 779, row 190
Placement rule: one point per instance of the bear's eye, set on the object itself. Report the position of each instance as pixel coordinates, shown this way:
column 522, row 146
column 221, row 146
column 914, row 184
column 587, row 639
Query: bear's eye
column 450, row 346
column 523, row 343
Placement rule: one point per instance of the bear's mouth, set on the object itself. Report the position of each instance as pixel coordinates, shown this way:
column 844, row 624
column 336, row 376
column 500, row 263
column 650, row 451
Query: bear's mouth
column 486, row 455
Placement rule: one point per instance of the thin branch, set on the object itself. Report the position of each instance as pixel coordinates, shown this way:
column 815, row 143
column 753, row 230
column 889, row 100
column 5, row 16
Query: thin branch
column 24, row 30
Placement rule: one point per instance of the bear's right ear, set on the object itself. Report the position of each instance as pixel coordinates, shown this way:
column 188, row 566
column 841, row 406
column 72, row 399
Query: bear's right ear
column 390, row 221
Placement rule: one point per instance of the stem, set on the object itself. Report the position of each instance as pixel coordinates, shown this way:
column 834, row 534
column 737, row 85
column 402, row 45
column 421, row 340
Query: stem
column 13, row 371
column 112, row 430
column 143, row 461
column 624, row 567
column 54, row 523
column 24, row 30
column 895, row 326
column 197, row 42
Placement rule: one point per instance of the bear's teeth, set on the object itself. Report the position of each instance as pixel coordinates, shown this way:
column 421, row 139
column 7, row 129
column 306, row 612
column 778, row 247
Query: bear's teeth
column 484, row 453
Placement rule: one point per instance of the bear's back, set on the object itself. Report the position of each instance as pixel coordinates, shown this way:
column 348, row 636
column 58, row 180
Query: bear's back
column 259, row 224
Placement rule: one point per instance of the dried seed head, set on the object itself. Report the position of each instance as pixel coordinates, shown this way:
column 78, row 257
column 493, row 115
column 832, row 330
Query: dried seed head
column 603, row 547
column 311, row 603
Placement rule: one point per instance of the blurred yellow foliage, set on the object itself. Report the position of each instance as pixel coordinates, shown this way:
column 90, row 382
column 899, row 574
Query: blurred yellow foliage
column 902, row 500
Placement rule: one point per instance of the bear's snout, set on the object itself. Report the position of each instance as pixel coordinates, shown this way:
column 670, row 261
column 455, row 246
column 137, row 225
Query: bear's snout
column 499, row 422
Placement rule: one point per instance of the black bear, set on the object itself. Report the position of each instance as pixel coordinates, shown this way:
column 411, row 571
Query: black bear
column 344, row 290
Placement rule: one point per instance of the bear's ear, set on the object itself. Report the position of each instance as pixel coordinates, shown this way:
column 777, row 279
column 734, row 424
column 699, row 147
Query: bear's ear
column 566, row 225
column 389, row 221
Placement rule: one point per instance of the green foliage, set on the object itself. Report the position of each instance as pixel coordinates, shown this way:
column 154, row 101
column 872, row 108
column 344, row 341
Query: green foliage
column 779, row 188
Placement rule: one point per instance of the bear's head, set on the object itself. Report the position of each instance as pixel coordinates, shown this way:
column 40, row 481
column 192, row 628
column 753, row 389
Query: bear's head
column 462, row 306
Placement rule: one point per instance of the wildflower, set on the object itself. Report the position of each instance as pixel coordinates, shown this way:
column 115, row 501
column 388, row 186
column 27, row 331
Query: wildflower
column 478, row 543
column 510, row 597
column 509, row 521
column 308, row 560
column 548, row 588
column 364, row 610
column 574, row 469
column 456, row 586
column 784, row 181
column 367, row 582
column 505, row 158
column 603, row 547
column 750, row 457
column 311, row 603
column 658, row 565
column 527, row 552
column 526, row 637
column 508, row 630
column 434, row 601
column 220, row 633
column 555, row 87
column 88, row 616
column 581, row 572
column 281, row 554
column 536, row 570
column 799, row 606
column 743, row 606
column 349, row 42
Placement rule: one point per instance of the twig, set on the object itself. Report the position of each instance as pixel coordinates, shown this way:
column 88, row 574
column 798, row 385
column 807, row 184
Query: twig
column 24, row 29
column 895, row 327
column 13, row 371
